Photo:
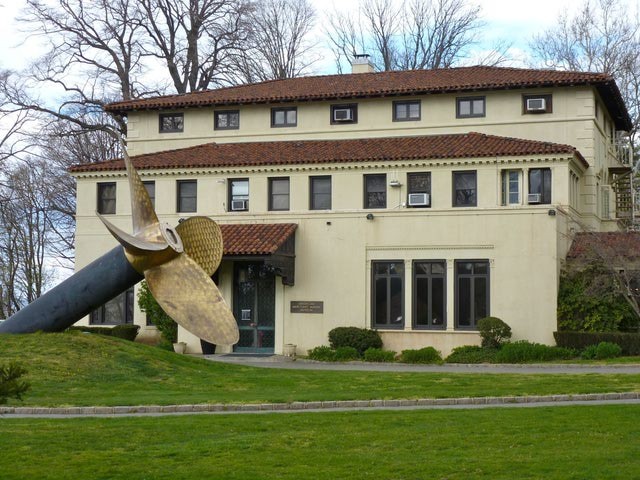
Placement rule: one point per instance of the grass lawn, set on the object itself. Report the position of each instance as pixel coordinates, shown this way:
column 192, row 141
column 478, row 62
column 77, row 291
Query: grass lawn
column 83, row 369
column 585, row 442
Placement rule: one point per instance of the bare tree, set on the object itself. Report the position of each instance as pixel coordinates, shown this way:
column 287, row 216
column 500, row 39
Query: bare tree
column 415, row 34
column 279, row 43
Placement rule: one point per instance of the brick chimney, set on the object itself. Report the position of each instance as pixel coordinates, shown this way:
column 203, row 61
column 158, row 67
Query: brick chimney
column 361, row 64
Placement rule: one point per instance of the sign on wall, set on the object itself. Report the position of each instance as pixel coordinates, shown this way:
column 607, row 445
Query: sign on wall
column 307, row 307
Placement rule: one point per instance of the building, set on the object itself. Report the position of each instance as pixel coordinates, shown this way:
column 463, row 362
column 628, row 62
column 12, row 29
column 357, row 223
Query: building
column 412, row 202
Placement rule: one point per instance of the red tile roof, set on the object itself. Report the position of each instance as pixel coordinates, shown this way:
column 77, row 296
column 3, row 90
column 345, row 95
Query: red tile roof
column 606, row 246
column 409, row 82
column 255, row 239
column 251, row 154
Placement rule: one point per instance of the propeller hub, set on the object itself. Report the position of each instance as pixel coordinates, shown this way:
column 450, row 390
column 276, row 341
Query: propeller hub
column 171, row 236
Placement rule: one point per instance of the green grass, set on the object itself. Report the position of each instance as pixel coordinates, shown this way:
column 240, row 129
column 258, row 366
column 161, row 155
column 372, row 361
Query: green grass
column 592, row 442
column 83, row 369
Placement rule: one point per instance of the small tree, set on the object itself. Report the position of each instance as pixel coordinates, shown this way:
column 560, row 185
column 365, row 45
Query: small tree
column 10, row 384
column 167, row 327
column 493, row 331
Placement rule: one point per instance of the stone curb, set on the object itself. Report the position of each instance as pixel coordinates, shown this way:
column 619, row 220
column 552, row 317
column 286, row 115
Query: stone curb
column 315, row 405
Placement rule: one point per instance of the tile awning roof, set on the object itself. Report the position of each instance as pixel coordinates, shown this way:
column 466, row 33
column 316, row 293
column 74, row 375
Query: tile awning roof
column 408, row 82
column 305, row 152
column 607, row 246
column 255, row 239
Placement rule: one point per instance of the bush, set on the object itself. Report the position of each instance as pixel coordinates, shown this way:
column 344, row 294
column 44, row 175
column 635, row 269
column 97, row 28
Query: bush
column 601, row 351
column 424, row 355
column 493, row 331
column 128, row 332
column 472, row 354
column 322, row 354
column 628, row 342
column 167, row 327
column 359, row 338
column 589, row 353
column 524, row 351
column 10, row 384
column 379, row 355
column 345, row 354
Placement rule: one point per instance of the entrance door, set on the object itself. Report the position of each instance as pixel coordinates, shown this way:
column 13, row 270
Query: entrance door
column 254, row 307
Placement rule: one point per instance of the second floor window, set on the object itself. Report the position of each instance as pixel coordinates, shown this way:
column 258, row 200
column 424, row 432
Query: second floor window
column 406, row 111
column 320, row 193
column 539, row 185
column 510, row 187
column 536, row 104
column 239, row 194
column 226, row 119
column 470, row 107
column 344, row 113
column 150, row 187
column 106, row 198
column 284, row 117
column 171, row 122
column 375, row 191
column 419, row 189
column 279, row 194
column 187, row 196
column 465, row 189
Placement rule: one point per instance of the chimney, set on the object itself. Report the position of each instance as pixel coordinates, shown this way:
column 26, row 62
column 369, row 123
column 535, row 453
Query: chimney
column 361, row 64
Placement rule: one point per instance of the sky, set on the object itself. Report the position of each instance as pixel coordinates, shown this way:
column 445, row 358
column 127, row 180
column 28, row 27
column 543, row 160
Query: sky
column 510, row 20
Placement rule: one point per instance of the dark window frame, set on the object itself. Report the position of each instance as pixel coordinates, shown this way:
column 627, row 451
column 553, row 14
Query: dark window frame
column 411, row 189
column 414, row 291
column 152, row 195
column 366, row 178
column 180, row 197
column 548, row 98
column 545, row 194
column 454, row 202
column 216, row 123
column 97, row 316
column 406, row 103
column 272, row 194
column 231, row 197
column 163, row 116
column 101, row 199
column 388, row 277
column 459, row 100
column 472, row 276
column 275, row 110
column 313, row 194
column 354, row 113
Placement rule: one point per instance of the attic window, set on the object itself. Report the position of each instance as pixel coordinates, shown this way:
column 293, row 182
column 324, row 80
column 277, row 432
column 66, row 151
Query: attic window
column 171, row 122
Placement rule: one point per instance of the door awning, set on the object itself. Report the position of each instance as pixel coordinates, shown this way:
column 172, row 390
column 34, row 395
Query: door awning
column 273, row 243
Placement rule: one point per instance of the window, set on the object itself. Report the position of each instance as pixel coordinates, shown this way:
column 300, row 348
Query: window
column 107, row 198
column 375, row 191
column 419, row 189
column 226, row 120
column 470, row 107
column 429, row 294
column 344, row 113
column 536, row 104
column 510, row 187
column 187, row 196
column 472, row 292
column 117, row 311
column 284, row 117
column 320, row 193
column 387, row 294
column 279, row 193
column 150, row 187
column 540, row 185
column 171, row 122
column 464, row 189
column 406, row 111
column 239, row 194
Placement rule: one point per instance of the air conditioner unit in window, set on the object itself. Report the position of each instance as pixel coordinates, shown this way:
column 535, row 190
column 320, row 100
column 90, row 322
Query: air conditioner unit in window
column 536, row 104
column 419, row 199
column 238, row 205
column 534, row 198
column 342, row 115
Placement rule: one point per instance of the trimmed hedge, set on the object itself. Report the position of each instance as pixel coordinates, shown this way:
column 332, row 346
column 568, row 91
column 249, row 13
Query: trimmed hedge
column 359, row 338
column 524, row 351
column 493, row 331
column 423, row 355
column 128, row 332
column 629, row 342
column 472, row 354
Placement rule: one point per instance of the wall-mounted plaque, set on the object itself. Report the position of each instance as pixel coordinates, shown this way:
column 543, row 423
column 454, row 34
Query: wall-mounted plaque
column 307, row 307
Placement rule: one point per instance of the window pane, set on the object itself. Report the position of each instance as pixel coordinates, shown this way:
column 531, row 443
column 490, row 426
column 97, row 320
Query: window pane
column 478, row 107
column 320, row 193
column 234, row 119
column 535, row 181
column 280, row 202
column 437, row 301
column 464, row 302
column 422, row 268
column 396, row 301
column 419, row 182
column 222, row 120
column 414, row 110
column 464, row 268
column 396, row 268
column 376, row 191
column 437, row 268
column 465, row 188
column 546, row 182
column 422, row 301
column 240, row 188
column 480, row 298
column 401, row 111
column 280, row 186
column 464, row 107
column 279, row 116
column 292, row 117
column 381, row 301
column 150, row 187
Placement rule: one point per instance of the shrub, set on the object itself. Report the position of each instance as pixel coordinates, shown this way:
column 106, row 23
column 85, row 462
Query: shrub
column 589, row 353
column 628, row 342
column 472, row 354
column 10, row 384
column 345, row 354
column 423, row 355
column 322, row 354
column 493, row 331
column 607, row 350
column 359, row 338
column 379, row 355
column 128, row 332
column 524, row 351
column 167, row 327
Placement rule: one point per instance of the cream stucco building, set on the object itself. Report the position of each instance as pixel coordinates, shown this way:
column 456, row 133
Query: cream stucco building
column 411, row 202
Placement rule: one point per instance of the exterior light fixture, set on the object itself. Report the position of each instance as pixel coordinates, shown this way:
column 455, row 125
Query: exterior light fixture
column 369, row 216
